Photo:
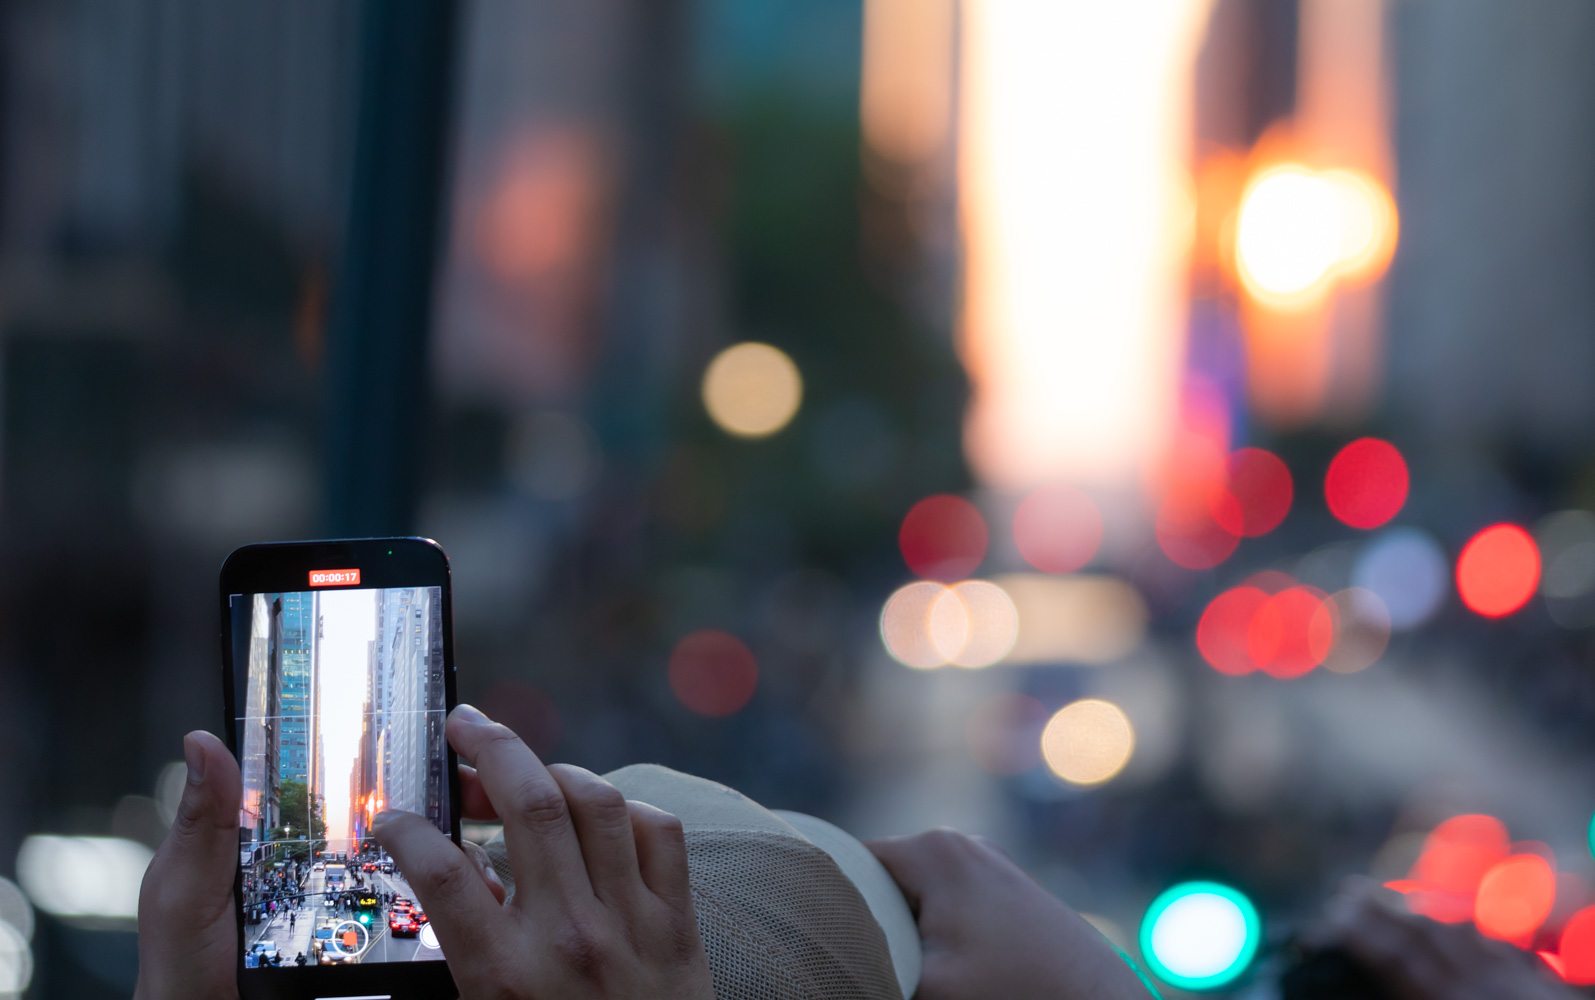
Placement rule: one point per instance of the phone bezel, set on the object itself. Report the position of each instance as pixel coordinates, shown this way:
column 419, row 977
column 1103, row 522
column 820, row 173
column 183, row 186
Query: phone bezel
column 284, row 567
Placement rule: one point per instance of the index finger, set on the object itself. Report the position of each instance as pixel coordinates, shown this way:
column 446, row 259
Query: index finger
column 449, row 884
column 538, row 834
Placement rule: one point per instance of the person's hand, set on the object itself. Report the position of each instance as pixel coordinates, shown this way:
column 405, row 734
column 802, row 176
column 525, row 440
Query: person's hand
column 602, row 906
column 187, row 925
column 988, row 930
column 1415, row 958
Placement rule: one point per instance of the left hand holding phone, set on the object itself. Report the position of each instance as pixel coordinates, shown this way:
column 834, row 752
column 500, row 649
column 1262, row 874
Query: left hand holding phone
column 188, row 927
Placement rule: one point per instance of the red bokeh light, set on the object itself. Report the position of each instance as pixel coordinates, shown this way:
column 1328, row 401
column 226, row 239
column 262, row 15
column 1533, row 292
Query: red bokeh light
column 1455, row 858
column 1514, row 898
column 943, row 537
column 1057, row 529
column 1367, row 483
column 713, row 673
column 1498, row 570
column 1577, row 951
column 1191, row 537
column 1258, row 495
column 1292, row 632
column 1221, row 634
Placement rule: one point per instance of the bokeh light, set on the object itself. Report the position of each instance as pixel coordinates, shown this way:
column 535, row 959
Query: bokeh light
column 1514, row 897
column 15, row 910
column 1567, row 550
column 905, row 625
column 16, row 962
column 1498, row 570
column 1366, row 484
column 1408, row 571
column 1299, row 230
column 1292, row 632
column 1222, row 633
column 712, row 673
column 1088, row 742
column 88, row 877
column 1360, row 624
column 1456, row 855
column 1074, row 619
column 943, row 537
column 752, row 390
column 1287, row 235
column 973, row 624
column 1258, row 495
column 1577, row 950
column 1057, row 529
column 1200, row 935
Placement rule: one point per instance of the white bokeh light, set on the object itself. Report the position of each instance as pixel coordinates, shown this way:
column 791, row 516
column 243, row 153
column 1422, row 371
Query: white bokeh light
column 92, row 877
column 16, row 962
column 1408, row 571
column 1201, row 935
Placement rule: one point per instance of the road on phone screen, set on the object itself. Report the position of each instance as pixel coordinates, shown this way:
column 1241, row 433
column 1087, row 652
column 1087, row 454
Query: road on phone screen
column 292, row 929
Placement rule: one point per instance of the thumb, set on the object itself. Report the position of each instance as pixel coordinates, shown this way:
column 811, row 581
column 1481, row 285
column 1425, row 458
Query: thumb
column 904, row 859
column 196, row 862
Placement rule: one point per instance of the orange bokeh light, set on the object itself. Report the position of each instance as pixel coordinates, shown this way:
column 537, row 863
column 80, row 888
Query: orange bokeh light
column 1455, row 858
column 1514, row 898
column 943, row 537
column 713, row 673
column 1498, row 570
column 1367, row 483
column 1057, row 529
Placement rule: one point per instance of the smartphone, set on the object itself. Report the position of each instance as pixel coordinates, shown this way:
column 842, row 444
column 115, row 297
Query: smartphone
column 338, row 673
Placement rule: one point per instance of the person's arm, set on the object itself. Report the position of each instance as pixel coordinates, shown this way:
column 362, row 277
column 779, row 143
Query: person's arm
column 1416, row 958
column 988, row 930
column 603, row 906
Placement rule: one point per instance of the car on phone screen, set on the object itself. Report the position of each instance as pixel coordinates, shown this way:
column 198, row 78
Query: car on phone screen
column 402, row 923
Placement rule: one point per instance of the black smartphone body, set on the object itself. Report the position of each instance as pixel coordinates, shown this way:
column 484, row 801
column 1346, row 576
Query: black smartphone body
column 338, row 673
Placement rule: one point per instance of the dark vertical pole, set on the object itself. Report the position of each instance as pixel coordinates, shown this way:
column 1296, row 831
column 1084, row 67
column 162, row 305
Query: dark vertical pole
column 382, row 298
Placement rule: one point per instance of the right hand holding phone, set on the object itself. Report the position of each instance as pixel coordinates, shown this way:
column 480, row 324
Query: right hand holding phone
column 602, row 907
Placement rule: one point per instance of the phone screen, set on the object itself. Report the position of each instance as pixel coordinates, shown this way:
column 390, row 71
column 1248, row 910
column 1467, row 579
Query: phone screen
column 339, row 697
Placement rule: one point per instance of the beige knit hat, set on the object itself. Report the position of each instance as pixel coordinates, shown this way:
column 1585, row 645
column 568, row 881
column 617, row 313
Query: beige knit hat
column 789, row 906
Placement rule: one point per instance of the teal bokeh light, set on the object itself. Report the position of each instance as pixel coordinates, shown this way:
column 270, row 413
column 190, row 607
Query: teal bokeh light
column 1200, row 935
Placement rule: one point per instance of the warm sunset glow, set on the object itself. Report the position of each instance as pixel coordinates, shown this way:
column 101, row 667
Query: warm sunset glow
column 343, row 665
column 1077, row 218
column 905, row 96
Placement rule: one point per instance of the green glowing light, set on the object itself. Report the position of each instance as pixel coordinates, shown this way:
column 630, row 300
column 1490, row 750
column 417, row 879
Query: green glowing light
column 1200, row 935
column 365, row 918
column 1592, row 834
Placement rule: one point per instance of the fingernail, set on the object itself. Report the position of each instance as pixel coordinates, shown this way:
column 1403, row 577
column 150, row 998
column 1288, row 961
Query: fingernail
column 382, row 818
column 194, row 757
column 470, row 714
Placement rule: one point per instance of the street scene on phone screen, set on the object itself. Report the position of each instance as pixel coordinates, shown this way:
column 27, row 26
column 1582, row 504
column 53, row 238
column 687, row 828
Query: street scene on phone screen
column 341, row 717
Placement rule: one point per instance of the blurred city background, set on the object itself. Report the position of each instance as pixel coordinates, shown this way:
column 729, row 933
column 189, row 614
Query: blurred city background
column 1154, row 435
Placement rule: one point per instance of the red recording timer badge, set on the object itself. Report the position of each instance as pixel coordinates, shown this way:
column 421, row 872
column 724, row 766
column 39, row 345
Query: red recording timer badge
column 335, row 578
